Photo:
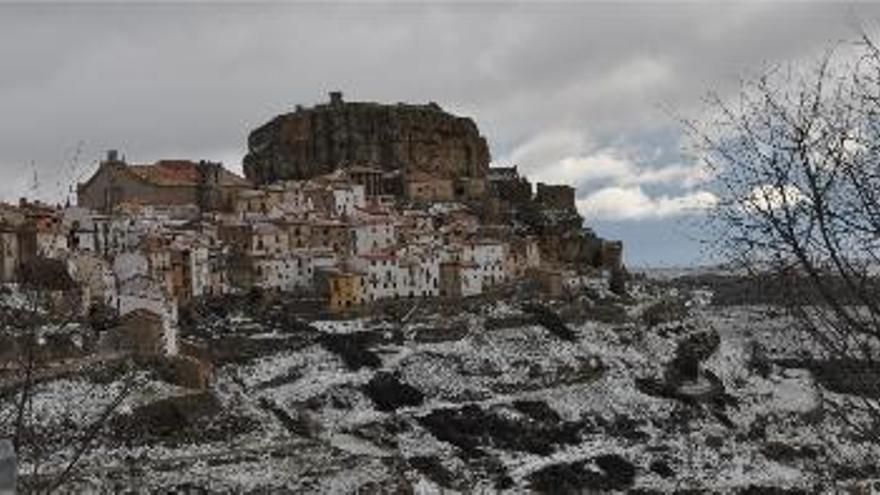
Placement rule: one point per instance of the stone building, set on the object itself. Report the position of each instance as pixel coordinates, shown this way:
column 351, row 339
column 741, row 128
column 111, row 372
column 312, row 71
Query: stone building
column 506, row 184
column 368, row 177
column 549, row 281
column 140, row 332
column 381, row 274
column 555, row 197
column 299, row 232
column 166, row 182
column 373, row 234
column 9, row 253
column 419, row 276
column 488, row 256
column 450, row 279
column 611, row 255
column 142, row 293
column 332, row 234
column 344, row 289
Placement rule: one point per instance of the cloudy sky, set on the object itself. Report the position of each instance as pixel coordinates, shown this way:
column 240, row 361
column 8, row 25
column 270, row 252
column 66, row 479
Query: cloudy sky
column 580, row 93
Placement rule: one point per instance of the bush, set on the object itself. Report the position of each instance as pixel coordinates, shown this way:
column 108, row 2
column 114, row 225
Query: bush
column 665, row 311
column 616, row 473
column 352, row 349
column 389, row 393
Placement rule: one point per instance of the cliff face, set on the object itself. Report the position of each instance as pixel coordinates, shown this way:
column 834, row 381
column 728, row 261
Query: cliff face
column 413, row 138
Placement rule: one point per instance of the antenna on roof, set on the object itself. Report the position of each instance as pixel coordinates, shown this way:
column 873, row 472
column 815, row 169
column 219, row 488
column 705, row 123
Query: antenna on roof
column 35, row 182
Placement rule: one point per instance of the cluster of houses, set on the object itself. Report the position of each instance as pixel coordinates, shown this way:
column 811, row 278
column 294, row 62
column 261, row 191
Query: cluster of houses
column 150, row 239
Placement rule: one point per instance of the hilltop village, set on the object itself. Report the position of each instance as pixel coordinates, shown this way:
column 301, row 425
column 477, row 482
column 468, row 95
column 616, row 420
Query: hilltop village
column 373, row 308
column 348, row 204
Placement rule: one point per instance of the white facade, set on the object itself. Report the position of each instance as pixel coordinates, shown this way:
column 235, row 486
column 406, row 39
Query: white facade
column 489, row 256
column 373, row 235
column 348, row 199
column 471, row 279
column 200, row 270
column 291, row 272
column 381, row 275
column 294, row 199
column 420, row 277
column 396, row 275
column 268, row 240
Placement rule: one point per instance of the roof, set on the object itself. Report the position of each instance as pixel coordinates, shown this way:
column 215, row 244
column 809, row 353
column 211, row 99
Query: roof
column 182, row 173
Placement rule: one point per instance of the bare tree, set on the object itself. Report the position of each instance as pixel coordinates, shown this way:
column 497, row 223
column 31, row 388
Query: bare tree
column 796, row 163
column 46, row 304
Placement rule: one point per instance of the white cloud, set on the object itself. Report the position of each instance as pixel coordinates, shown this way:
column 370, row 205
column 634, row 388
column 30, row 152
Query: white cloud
column 631, row 203
column 548, row 147
column 565, row 157
column 610, row 180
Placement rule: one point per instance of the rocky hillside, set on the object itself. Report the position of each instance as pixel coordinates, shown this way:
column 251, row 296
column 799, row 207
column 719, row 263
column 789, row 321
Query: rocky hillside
column 317, row 140
column 647, row 394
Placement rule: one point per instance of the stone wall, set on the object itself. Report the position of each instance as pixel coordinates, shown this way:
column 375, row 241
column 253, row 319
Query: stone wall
column 315, row 141
column 558, row 197
column 112, row 185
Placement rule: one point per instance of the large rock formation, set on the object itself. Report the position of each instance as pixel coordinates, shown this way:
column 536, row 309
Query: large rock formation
column 412, row 138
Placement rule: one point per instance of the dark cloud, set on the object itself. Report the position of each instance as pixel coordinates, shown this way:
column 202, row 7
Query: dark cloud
column 546, row 82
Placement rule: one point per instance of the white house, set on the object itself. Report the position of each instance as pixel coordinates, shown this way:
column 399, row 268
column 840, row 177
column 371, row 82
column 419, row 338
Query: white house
column 489, row 256
column 373, row 234
column 419, row 276
column 292, row 271
column 347, row 198
column 267, row 239
column 381, row 274
column 471, row 279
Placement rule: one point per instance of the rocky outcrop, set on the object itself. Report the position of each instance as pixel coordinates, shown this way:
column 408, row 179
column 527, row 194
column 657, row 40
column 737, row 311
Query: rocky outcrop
column 413, row 138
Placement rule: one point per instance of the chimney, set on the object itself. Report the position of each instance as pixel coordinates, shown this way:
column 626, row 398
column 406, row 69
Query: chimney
column 336, row 98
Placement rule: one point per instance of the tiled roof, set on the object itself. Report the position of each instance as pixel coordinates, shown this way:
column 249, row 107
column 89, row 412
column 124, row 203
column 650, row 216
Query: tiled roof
column 181, row 173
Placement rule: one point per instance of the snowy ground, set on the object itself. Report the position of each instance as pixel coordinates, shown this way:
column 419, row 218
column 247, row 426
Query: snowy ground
column 476, row 409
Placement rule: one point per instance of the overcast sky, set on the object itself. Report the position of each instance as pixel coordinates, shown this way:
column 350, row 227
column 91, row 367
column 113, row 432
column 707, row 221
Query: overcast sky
column 572, row 93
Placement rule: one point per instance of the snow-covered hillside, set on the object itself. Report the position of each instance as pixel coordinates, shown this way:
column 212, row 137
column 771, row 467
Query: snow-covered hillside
column 495, row 396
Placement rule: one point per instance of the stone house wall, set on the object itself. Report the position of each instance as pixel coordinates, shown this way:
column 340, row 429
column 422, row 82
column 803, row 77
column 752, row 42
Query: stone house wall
column 557, row 197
